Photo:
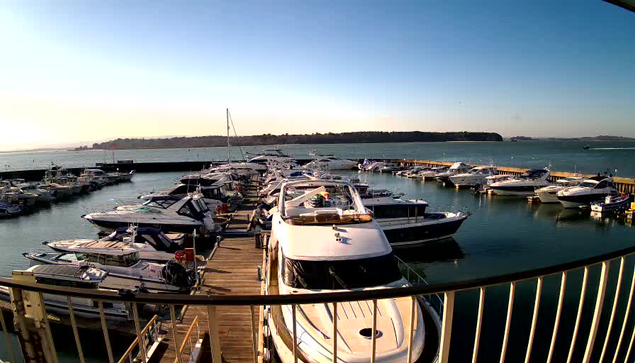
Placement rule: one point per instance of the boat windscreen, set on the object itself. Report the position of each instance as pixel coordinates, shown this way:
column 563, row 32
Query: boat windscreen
column 338, row 275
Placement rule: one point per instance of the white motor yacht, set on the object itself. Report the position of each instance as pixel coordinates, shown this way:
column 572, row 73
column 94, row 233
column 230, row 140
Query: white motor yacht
column 589, row 191
column 524, row 185
column 548, row 193
column 331, row 163
column 189, row 214
column 456, row 168
column 332, row 244
column 476, row 176
column 432, row 172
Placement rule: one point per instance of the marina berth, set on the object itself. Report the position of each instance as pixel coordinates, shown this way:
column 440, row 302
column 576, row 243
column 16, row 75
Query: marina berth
column 589, row 191
column 332, row 244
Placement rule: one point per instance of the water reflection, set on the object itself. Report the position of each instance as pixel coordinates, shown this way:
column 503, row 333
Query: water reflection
column 444, row 250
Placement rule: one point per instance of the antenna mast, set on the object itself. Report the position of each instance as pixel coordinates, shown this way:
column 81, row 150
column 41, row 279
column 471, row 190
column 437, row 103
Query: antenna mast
column 228, row 147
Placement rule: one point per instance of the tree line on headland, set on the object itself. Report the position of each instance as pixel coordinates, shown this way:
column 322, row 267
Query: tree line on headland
column 316, row 138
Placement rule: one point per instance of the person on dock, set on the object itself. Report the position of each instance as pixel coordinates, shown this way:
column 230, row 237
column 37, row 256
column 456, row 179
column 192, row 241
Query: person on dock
column 257, row 222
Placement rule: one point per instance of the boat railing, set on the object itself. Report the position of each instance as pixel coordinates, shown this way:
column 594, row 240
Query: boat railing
column 416, row 279
column 146, row 338
column 614, row 340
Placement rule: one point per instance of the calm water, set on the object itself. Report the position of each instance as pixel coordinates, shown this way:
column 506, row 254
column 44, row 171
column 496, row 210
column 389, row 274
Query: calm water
column 502, row 235
column 562, row 156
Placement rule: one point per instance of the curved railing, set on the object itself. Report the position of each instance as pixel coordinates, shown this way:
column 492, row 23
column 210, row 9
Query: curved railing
column 448, row 290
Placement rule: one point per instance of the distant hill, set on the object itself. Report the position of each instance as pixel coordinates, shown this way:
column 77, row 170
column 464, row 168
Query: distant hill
column 317, row 138
column 592, row 138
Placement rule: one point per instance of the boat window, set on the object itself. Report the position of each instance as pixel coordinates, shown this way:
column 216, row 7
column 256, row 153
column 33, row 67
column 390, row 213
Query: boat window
column 336, row 275
column 126, row 260
column 62, row 282
column 602, row 184
column 588, row 185
column 398, row 211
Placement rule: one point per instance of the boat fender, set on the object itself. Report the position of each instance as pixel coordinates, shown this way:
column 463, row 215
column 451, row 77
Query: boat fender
column 265, row 332
column 266, row 354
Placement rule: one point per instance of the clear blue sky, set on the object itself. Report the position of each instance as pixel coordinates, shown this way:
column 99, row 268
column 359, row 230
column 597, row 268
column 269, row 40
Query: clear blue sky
column 85, row 70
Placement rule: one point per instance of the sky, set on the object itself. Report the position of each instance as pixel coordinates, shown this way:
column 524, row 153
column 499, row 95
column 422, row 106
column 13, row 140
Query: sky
column 74, row 72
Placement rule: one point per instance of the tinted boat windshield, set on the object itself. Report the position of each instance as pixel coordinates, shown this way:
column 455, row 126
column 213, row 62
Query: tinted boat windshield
column 337, row 275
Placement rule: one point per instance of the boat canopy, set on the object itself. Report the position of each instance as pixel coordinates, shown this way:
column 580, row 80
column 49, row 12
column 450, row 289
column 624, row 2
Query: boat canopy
column 534, row 173
column 152, row 236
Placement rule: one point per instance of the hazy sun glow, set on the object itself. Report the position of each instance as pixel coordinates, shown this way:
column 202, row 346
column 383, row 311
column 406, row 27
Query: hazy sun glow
column 77, row 72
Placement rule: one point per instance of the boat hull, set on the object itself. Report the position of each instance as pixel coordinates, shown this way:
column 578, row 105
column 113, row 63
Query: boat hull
column 581, row 200
column 519, row 191
column 416, row 234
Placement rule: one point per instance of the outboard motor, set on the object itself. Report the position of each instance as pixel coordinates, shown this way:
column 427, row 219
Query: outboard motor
column 175, row 274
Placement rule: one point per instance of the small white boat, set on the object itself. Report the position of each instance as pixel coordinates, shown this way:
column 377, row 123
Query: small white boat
column 612, row 203
column 125, row 270
column 84, row 277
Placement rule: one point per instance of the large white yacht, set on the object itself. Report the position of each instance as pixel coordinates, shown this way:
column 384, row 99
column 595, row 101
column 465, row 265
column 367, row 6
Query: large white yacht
column 591, row 190
column 271, row 155
column 476, row 176
column 524, row 185
column 331, row 162
column 548, row 193
column 324, row 240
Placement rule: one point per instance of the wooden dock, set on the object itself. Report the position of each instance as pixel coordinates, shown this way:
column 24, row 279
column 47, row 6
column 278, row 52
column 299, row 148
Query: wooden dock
column 232, row 269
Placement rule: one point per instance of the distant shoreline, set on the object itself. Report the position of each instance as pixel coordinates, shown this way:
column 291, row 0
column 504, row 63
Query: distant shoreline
column 286, row 139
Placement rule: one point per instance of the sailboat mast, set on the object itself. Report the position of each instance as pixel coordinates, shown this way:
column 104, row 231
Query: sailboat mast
column 228, row 147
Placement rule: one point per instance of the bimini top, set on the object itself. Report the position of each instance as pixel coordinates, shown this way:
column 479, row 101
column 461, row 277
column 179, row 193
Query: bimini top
column 326, row 220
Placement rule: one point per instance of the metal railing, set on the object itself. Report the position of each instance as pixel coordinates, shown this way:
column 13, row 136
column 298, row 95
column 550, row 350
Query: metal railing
column 592, row 342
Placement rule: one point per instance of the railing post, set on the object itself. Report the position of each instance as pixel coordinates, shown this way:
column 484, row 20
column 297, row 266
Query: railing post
column 104, row 329
column 140, row 340
column 7, row 337
column 295, row 333
column 214, row 339
column 618, row 288
column 479, row 319
column 446, row 326
column 579, row 316
column 604, row 275
column 254, row 339
column 556, row 324
column 334, row 332
column 508, row 320
column 374, row 338
column 626, row 313
column 78, row 343
column 176, row 342
column 413, row 317
column 534, row 320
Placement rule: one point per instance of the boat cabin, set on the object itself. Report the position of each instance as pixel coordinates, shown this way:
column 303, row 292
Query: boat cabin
column 65, row 275
column 535, row 174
